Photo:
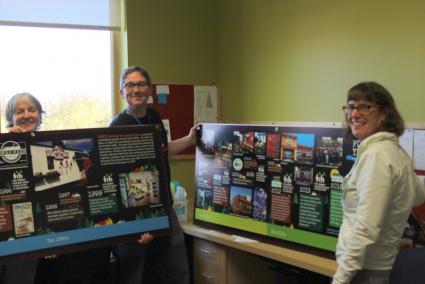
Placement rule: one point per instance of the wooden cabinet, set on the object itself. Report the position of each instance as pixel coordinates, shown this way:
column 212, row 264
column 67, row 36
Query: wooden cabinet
column 214, row 263
column 218, row 258
column 209, row 262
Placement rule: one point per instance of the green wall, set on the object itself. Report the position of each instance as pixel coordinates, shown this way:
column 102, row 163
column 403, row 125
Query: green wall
column 282, row 60
column 285, row 60
column 176, row 40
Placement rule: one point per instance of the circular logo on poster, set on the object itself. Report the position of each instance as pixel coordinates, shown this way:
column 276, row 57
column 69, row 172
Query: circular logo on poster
column 237, row 164
column 11, row 152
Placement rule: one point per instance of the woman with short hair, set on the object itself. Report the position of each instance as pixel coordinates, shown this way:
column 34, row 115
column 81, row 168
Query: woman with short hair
column 23, row 114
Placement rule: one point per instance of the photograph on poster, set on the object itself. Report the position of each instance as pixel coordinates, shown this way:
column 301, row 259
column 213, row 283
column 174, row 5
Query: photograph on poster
column 260, row 143
column 140, row 187
column 204, row 198
column 243, row 142
column 259, row 209
column 56, row 163
column 273, row 146
column 303, row 175
column 23, row 218
column 329, row 151
column 223, row 157
column 240, row 200
column 297, row 147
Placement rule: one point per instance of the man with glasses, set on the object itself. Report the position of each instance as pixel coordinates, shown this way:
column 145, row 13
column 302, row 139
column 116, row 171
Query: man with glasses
column 163, row 258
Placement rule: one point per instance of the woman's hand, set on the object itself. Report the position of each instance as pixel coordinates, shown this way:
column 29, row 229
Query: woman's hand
column 51, row 257
column 145, row 238
column 15, row 129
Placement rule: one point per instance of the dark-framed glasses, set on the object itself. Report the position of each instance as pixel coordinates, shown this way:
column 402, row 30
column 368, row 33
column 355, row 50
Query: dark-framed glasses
column 132, row 85
column 362, row 108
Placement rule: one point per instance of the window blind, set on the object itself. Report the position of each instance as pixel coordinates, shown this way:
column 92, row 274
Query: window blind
column 100, row 14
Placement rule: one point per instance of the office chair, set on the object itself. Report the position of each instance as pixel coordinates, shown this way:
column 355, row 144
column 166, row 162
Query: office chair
column 409, row 267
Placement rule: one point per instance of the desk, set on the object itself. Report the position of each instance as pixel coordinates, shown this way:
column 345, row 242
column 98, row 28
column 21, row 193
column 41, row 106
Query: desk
column 314, row 263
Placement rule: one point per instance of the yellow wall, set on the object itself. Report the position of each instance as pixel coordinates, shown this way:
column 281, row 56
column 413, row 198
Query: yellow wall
column 294, row 60
column 176, row 40
column 282, row 60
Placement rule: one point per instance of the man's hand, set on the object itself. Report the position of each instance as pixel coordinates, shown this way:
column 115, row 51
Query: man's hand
column 145, row 238
column 192, row 133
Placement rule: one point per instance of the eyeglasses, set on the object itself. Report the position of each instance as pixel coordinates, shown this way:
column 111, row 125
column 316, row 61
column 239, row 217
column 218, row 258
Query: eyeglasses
column 363, row 108
column 132, row 86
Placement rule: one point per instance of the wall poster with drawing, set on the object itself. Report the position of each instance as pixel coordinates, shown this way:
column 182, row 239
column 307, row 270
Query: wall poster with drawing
column 71, row 189
column 280, row 182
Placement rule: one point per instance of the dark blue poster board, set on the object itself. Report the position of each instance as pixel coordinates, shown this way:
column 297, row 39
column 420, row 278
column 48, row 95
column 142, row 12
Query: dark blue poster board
column 278, row 182
column 74, row 189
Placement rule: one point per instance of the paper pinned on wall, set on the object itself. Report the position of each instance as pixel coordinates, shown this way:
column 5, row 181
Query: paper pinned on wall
column 406, row 141
column 419, row 149
column 166, row 123
column 162, row 99
column 162, row 89
column 205, row 104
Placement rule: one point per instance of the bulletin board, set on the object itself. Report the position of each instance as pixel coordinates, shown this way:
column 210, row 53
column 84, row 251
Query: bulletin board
column 182, row 105
column 413, row 142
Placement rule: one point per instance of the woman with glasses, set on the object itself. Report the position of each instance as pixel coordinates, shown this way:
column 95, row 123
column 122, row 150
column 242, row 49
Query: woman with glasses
column 379, row 191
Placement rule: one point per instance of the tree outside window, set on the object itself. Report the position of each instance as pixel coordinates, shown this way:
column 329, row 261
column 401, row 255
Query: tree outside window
column 68, row 70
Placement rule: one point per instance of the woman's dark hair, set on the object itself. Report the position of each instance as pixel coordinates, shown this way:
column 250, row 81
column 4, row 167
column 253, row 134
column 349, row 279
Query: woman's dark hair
column 377, row 94
column 11, row 105
column 132, row 69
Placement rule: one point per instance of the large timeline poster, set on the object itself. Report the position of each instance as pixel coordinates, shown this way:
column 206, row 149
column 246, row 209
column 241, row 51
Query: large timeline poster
column 71, row 187
column 276, row 181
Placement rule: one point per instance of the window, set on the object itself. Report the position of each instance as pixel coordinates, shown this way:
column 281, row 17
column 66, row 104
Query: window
column 68, row 70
